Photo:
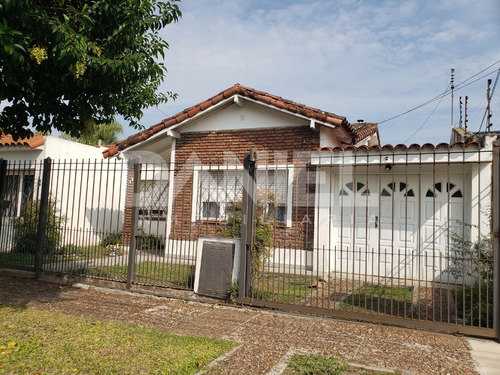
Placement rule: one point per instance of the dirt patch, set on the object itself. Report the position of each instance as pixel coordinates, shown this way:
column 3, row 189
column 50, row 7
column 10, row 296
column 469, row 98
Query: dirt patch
column 331, row 293
column 436, row 304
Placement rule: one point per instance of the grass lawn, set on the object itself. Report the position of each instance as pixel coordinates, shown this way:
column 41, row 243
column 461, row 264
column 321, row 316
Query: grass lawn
column 13, row 259
column 283, row 287
column 380, row 299
column 76, row 254
column 33, row 341
column 317, row 365
column 153, row 273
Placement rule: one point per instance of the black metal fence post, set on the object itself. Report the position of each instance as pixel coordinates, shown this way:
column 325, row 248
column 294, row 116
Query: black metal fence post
column 133, row 224
column 249, row 203
column 496, row 239
column 42, row 220
column 3, row 178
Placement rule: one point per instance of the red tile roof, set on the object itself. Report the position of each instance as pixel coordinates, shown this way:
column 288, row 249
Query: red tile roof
column 361, row 130
column 355, row 131
column 35, row 140
column 399, row 147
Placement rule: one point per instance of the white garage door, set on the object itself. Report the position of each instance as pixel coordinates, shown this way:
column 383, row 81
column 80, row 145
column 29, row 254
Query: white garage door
column 396, row 226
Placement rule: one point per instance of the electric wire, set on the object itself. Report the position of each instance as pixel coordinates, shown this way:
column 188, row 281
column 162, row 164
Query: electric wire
column 427, row 119
column 457, row 87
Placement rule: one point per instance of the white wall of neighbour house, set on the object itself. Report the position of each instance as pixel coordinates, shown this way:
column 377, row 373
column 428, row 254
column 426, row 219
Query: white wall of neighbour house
column 154, row 156
column 397, row 222
column 88, row 191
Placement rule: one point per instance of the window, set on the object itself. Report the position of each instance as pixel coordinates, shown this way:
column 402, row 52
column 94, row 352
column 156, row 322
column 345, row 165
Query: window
column 216, row 190
column 272, row 187
column 18, row 192
column 153, row 198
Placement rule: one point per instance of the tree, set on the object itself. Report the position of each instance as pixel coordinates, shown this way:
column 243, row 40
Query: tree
column 67, row 64
column 106, row 133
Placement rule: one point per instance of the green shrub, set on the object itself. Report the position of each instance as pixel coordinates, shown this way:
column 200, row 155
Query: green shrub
column 264, row 229
column 149, row 241
column 112, row 239
column 71, row 249
column 473, row 262
column 26, row 228
column 475, row 304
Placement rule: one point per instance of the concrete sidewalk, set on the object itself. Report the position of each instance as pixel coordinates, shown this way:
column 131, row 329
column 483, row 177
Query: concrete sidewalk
column 267, row 338
column 487, row 354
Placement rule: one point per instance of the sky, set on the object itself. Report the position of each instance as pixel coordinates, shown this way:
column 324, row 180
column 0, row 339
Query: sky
column 369, row 60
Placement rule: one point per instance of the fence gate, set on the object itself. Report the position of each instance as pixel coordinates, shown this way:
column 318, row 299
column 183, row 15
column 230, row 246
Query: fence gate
column 398, row 236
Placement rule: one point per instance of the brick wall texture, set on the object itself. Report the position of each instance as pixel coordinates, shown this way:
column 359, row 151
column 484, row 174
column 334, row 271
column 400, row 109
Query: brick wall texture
column 276, row 146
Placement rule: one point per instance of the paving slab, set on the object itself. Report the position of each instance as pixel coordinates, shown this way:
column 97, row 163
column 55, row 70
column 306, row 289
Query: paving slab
column 487, row 355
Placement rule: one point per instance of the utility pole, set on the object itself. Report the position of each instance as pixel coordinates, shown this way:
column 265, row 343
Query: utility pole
column 460, row 102
column 452, row 88
column 488, row 126
column 465, row 112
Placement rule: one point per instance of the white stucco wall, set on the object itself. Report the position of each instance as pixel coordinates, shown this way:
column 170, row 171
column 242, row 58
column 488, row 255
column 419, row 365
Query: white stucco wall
column 88, row 191
column 249, row 116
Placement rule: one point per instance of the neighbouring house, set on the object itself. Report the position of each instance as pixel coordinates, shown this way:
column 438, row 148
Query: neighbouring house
column 461, row 134
column 76, row 170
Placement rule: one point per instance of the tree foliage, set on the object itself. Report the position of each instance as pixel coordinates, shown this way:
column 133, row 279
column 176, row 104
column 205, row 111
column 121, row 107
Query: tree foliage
column 69, row 63
column 106, row 133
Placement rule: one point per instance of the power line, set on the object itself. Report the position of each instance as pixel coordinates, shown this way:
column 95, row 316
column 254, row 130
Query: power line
column 427, row 119
column 457, row 87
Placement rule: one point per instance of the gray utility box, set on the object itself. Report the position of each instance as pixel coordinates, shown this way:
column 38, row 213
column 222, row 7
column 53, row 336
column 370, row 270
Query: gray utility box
column 215, row 268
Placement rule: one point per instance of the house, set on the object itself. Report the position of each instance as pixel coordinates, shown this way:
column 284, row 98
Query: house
column 192, row 165
column 74, row 169
column 338, row 200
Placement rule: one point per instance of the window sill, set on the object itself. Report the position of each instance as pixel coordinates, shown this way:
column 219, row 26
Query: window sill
column 152, row 218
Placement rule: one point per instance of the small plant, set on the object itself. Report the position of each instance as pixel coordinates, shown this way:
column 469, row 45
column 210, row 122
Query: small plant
column 70, row 249
column 113, row 250
column 149, row 241
column 473, row 263
column 26, row 229
column 233, row 291
column 263, row 224
column 111, row 239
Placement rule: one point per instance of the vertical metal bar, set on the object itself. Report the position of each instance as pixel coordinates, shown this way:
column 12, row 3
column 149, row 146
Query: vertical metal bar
column 133, row 224
column 379, row 230
column 42, row 220
column 3, row 179
column 248, row 218
column 367, row 229
column 448, row 241
column 496, row 239
column 393, row 211
column 341, row 170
